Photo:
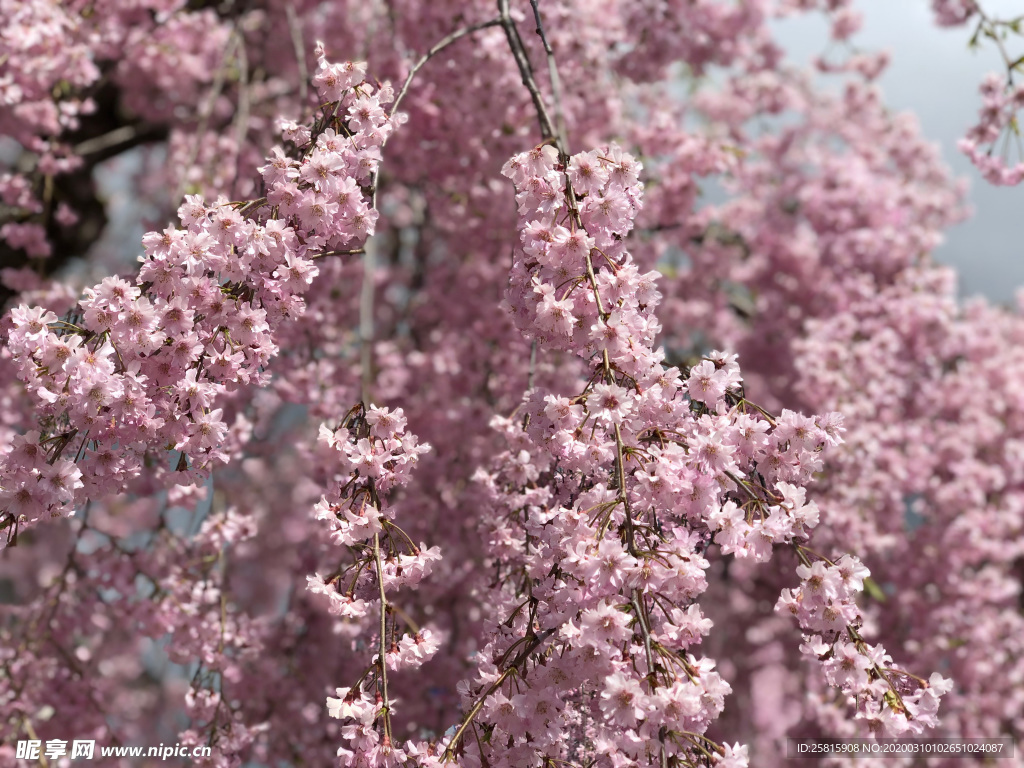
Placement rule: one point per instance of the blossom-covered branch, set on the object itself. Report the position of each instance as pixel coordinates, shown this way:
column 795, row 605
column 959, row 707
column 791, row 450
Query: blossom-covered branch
column 136, row 370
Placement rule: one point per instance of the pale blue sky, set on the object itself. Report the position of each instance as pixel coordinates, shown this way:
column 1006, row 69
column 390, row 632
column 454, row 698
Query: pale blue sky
column 936, row 76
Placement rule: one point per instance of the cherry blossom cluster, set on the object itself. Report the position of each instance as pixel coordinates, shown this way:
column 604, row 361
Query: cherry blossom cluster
column 376, row 457
column 991, row 142
column 61, row 63
column 605, row 503
column 191, row 608
column 45, row 49
column 997, row 118
column 964, row 483
column 877, row 332
column 891, row 701
column 953, row 13
column 135, row 370
column 810, row 262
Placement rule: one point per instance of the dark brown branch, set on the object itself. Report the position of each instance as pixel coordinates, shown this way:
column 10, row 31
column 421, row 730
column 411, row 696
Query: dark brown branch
column 556, row 82
column 515, row 43
column 535, row 642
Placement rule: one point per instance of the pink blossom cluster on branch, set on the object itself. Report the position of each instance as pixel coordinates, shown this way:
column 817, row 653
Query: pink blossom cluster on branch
column 595, row 609
column 995, row 138
column 613, row 544
column 376, row 456
column 1001, row 103
column 136, row 369
column 61, row 64
column 891, row 701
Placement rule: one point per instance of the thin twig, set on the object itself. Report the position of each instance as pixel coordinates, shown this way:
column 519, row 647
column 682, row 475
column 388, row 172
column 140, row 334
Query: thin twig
column 207, row 109
column 560, row 138
column 533, row 365
column 436, row 49
column 515, row 43
column 988, row 25
column 523, row 655
column 645, row 632
column 348, row 252
column 386, row 703
column 98, row 143
column 300, row 49
column 242, row 115
column 366, row 297
column 556, row 82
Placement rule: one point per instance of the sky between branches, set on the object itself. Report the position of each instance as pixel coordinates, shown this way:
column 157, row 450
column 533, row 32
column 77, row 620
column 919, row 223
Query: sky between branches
column 934, row 75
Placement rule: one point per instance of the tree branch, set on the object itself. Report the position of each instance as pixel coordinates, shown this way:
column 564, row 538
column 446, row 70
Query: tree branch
column 436, row 49
column 556, row 82
column 515, row 43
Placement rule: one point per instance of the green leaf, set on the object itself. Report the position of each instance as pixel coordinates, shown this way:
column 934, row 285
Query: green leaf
column 873, row 590
column 893, row 701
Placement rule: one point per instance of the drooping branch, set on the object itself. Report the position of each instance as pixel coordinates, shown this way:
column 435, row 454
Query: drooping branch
column 515, row 43
column 436, row 49
column 556, row 82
